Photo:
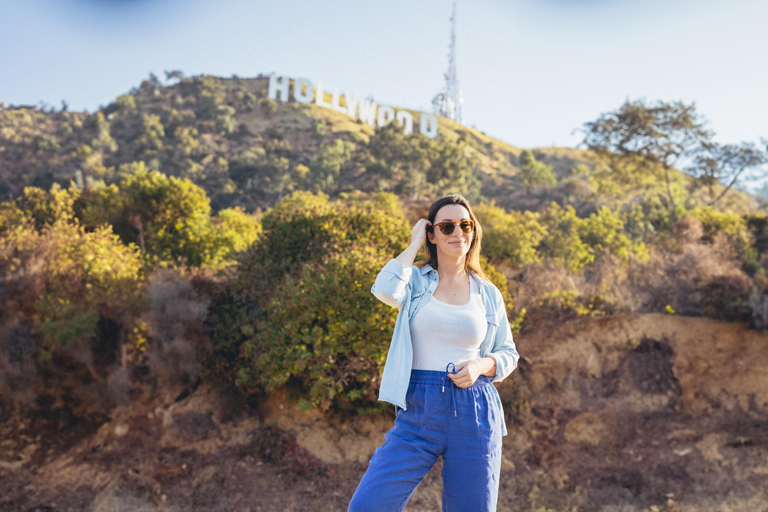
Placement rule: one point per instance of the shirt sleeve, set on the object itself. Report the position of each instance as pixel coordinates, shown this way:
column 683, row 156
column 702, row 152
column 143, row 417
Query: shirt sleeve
column 392, row 283
column 503, row 350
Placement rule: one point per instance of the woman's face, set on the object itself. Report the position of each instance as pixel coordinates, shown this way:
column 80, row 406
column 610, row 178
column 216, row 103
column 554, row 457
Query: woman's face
column 455, row 245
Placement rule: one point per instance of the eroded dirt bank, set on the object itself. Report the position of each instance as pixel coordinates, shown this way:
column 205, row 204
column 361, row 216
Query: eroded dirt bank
column 614, row 414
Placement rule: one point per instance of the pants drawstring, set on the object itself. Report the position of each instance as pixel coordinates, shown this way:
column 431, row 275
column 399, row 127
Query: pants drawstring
column 453, row 386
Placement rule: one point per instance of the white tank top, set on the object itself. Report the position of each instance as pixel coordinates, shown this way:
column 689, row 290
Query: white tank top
column 443, row 333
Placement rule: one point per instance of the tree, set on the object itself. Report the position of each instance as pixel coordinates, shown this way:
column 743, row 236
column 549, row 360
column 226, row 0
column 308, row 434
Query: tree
column 450, row 170
column 656, row 134
column 152, row 135
column 175, row 74
column 103, row 139
column 402, row 158
column 422, row 165
column 534, row 173
column 126, row 103
column 167, row 217
column 268, row 168
column 326, row 166
column 153, row 81
column 728, row 162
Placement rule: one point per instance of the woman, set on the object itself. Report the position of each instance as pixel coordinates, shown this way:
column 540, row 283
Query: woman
column 451, row 340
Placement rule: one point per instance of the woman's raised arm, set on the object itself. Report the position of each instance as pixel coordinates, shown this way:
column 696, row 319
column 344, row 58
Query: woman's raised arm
column 392, row 281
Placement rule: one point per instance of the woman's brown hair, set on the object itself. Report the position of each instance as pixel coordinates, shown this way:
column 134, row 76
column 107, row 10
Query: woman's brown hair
column 472, row 259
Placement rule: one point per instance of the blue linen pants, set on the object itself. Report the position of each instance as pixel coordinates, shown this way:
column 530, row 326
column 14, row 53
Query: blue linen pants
column 463, row 425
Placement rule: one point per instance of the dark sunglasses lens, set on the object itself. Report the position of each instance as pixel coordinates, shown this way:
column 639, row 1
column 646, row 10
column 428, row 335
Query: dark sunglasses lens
column 467, row 226
column 447, row 227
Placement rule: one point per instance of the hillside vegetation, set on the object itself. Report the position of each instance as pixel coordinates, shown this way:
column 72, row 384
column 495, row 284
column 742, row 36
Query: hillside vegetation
column 246, row 150
column 201, row 233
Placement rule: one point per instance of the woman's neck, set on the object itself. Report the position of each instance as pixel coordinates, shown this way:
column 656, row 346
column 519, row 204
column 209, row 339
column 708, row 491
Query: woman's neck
column 451, row 270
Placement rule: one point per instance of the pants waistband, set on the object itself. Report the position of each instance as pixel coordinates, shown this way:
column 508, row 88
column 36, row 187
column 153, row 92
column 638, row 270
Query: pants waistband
column 437, row 377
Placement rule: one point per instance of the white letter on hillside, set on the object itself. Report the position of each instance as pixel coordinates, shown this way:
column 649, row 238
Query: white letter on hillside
column 276, row 88
column 406, row 119
column 428, row 125
column 352, row 102
column 335, row 105
column 298, row 90
column 386, row 115
column 320, row 96
column 368, row 112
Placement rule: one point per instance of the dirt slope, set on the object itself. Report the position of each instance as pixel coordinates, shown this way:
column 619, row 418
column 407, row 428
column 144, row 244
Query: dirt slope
column 615, row 414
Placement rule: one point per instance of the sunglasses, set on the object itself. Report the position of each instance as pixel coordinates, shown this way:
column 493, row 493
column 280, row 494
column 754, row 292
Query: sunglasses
column 447, row 227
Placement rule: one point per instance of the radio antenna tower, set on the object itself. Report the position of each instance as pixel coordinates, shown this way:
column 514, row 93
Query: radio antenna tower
column 448, row 103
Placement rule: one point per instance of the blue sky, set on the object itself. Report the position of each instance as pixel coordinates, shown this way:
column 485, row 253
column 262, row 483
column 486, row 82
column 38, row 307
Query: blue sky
column 531, row 71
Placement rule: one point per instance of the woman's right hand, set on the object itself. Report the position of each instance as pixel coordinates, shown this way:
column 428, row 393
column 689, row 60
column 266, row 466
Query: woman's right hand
column 419, row 233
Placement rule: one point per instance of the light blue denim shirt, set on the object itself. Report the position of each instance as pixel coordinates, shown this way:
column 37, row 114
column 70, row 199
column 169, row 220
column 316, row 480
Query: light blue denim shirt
column 409, row 288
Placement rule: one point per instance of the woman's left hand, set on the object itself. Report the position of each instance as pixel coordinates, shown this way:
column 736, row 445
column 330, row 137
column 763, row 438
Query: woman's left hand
column 468, row 371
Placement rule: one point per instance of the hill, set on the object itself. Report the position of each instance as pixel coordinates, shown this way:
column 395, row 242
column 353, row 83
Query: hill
column 187, row 322
column 247, row 150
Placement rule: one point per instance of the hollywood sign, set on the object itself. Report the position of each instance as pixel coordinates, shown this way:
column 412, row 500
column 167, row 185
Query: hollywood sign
column 354, row 106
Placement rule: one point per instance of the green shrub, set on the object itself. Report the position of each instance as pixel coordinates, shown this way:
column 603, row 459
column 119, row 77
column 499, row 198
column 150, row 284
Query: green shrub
column 152, row 133
column 732, row 225
column 88, row 275
column 77, row 295
column 167, row 217
column 534, row 173
column 326, row 332
column 209, row 93
column 234, row 230
column 45, row 142
column 225, row 122
column 522, row 238
column 562, row 242
column 302, row 314
column 44, row 208
column 637, row 225
column 511, row 237
column 250, row 101
column 502, row 284
column 319, row 127
column 571, row 303
column 267, row 106
column 603, row 232
column 126, row 103
column 103, row 139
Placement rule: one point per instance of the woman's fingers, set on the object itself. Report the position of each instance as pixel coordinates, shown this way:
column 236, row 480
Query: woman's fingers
column 461, row 378
column 419, row 232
